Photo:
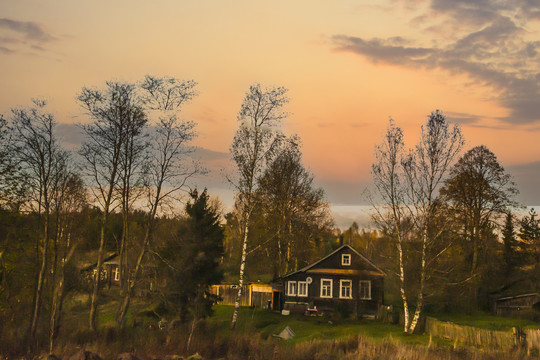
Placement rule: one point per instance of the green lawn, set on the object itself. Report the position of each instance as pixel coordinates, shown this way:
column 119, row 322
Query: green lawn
column 266, row 323
column 486, row 321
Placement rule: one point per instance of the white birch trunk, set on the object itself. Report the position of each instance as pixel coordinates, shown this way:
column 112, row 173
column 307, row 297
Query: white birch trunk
column 241, row 274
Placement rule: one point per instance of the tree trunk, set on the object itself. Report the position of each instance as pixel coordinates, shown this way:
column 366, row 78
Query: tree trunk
column 124, row 305
column 241, row 275
column 420, row 299
column 41, row 277
column 97, row 275
column 402, row 286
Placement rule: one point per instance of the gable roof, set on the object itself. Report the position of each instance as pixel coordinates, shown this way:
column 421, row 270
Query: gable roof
column 304, row 269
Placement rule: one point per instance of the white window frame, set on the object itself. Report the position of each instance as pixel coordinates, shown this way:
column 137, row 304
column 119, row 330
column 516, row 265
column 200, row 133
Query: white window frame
column 369, row 289
column 346, row 256
column 117, row 274
column 289, row 293
column 331, row 288
column 298, row 289
column 341, row 282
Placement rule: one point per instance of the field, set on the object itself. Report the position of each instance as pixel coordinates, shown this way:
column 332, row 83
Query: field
column 316, row 337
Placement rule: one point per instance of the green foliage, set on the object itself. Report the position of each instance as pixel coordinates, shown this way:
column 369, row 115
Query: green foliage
column 191, row 260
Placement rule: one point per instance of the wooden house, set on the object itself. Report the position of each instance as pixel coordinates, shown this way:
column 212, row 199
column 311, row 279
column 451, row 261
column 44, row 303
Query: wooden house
column 110, row 271
column 525, row 304
column 344, row 281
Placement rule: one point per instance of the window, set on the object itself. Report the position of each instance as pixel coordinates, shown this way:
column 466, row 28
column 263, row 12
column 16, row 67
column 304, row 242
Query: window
column 116, row 274
column 302, row 288
column 291, row 289
column 346, row 259
column 326, row 288
column 345, row 289
column 365, row 289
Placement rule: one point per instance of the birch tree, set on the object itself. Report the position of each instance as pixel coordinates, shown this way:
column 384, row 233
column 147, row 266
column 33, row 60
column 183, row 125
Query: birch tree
column 389, row 183
column 408, row 184
column 40, row 158
column 111, row 110
column 293, row 209
column 168, row 168
column 426, row 168
column 69, row 200
column 254, row 144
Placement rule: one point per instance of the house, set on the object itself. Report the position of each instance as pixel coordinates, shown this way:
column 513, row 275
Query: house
column 110, row 271
column 344, row 281
column 525, row 304
column 253, row 294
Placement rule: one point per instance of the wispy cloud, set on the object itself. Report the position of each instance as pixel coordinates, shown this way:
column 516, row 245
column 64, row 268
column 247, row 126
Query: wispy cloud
column 18, row 35
column 491, row 47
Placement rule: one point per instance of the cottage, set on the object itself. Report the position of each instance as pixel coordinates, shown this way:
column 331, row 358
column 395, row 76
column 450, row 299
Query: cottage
column 344, row 280
column 110, row 271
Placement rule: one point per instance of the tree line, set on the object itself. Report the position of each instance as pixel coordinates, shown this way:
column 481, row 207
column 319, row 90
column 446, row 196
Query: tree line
column 446, row 234
column 121, row 193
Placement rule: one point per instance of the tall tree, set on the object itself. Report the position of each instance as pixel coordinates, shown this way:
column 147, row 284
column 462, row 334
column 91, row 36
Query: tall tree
column 480, row 193
column 426, row 168
column 510, row 244
column 254, row 144
column 112, row 110
column 409, row 186
column 293, row 209
column 389, row 183
column 529, row 238
column 41, row 160
column 167, row 169
column 69, row 200
column 192, row 260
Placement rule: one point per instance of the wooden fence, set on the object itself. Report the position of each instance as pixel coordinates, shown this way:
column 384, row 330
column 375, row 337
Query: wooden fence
column 469, row 335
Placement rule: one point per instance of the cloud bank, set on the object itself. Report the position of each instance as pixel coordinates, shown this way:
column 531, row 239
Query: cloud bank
column 17, row 36
column 487, row 40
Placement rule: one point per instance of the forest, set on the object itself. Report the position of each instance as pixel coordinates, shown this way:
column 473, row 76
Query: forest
column 448, row 231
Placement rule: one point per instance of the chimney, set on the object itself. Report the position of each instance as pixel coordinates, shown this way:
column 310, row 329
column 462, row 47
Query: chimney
column 341, row 240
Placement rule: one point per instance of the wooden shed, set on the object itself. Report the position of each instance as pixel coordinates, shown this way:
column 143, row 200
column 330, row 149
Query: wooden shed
column 518, row 305
column 254, row 294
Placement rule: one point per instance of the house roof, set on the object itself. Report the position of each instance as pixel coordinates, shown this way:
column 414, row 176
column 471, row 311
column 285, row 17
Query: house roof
column 518, row 296
column 107, row 259
column 304, row 269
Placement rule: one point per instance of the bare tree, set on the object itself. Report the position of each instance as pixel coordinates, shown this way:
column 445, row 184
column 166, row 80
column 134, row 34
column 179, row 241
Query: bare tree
column 293, row 209
column 255, row 142
column 111, row 109
column 388, row 180
column 41, row 159
column 69, row 199
column 168, row 168
column 409, row 185
column 426, row 167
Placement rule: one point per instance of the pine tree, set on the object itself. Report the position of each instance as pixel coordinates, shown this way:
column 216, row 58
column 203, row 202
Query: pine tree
column 511, row 256
column 192, row 260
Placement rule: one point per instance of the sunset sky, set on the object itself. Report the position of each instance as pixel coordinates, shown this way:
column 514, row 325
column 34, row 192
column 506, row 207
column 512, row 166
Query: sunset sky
column 348, row 65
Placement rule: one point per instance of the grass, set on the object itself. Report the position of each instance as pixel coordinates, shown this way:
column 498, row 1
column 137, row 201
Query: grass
column 486, row 321
column 307, row 328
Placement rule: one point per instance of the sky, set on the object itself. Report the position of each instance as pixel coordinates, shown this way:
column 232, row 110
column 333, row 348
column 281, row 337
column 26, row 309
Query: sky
column 348, row 65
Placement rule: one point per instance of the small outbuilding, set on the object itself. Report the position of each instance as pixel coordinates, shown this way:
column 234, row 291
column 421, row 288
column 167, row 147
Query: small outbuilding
column 519, row 305
column 343, row 281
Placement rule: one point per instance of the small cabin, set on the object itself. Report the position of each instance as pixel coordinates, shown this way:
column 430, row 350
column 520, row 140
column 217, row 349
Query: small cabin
column 343, row 281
